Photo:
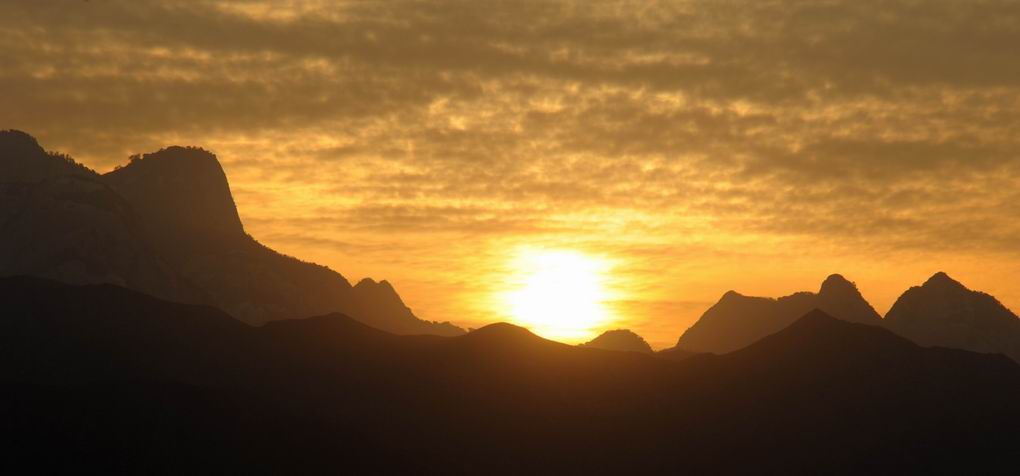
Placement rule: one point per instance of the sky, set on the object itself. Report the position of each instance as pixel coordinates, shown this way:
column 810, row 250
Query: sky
column 688, row 147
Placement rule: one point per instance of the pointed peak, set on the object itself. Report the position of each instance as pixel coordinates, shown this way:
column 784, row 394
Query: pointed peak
column 814, row 320
column 943, row 281
column 819, row 334
column 817, row 315
column 366, row 283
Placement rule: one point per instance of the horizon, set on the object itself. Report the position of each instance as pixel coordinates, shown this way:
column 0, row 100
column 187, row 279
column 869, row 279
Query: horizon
column 668, row 150
column 550, row 328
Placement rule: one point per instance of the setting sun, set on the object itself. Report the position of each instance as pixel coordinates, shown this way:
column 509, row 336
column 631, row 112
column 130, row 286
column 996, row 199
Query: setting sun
column 559, row 294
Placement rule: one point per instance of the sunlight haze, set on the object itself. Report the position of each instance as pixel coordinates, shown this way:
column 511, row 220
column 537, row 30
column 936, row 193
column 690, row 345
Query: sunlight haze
column 559, row 294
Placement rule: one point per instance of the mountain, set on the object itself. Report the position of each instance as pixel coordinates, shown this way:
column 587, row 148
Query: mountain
column 942, row 312
column 119, row 381
column 622, row 340
column 736, row 320
column 166, row 224
column 22, row 159
column 60, row 220
column 181, row 193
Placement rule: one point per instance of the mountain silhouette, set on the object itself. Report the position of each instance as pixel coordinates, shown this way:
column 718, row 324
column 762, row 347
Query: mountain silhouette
column 181, row 194
column 942, row 312
column 121, row 381
column 61, row 221
column 622, row 340
column 736, row 320
column 22, row 159
column 166, row 225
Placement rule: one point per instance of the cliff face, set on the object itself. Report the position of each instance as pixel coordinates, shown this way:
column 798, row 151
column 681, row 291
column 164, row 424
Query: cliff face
column 181, row 193
column 166, row 225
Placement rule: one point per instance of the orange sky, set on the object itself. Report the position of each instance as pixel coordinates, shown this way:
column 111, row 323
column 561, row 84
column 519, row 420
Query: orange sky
column 698, row 146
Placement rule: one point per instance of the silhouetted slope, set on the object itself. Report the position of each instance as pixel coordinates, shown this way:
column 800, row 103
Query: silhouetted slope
column 622, row 340
column 22, row 159
column 388, row 311
column 854, row 398
column 155, row 383
column 737, row 321
column 943, row 312
column 185, row 203
column 166, row 224
column 840, row 298
column 75, row 229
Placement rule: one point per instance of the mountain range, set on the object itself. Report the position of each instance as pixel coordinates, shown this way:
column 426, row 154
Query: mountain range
column 110, row 379
column 941, row 312
column 143, row 330
column 736, row 320
column 166, row 224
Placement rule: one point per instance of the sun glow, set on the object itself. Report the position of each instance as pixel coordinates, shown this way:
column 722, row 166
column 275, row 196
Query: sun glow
column 559, row 294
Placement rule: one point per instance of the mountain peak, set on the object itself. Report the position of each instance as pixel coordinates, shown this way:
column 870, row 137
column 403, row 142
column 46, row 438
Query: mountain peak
column 185, row 187
column 22, row 159
column 943, row 281
column 943, row 312
column 816, row 317
column 17, row 142
column 619, row 340
column 737, row 321
column 375, row 290
column 837, row 283
column 821, row 334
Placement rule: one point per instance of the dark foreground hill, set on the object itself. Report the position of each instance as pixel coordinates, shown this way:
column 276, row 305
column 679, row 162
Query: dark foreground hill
column 100, row 378
column 165, row 224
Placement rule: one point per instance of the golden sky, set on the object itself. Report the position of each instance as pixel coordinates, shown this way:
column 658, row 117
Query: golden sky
column 692, row 147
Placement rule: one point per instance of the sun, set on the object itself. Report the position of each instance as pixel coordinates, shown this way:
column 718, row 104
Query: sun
column 559, row 294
